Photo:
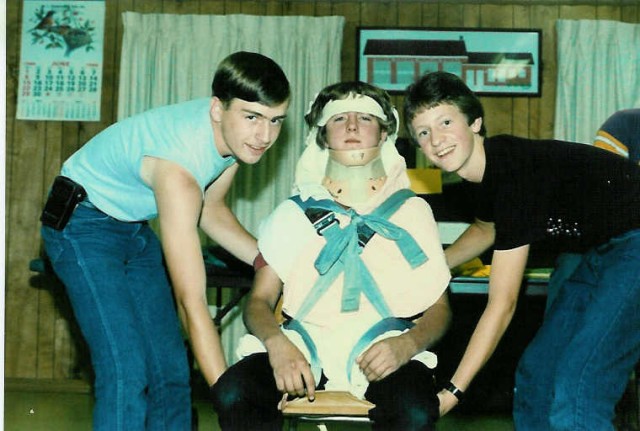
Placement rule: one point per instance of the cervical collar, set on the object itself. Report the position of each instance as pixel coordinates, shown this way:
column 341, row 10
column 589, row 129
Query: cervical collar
column 353, row 176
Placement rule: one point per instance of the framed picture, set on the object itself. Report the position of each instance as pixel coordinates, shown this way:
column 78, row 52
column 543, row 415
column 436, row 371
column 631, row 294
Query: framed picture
column 493, row 62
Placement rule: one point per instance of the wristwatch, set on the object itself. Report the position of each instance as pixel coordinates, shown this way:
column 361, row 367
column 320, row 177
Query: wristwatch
column 455, row 391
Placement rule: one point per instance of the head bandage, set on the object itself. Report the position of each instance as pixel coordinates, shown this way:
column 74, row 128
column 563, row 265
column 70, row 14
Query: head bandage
column 312, row 165
column 353, row 103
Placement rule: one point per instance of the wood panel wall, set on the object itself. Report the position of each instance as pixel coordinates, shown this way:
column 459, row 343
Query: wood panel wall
column 42, row 341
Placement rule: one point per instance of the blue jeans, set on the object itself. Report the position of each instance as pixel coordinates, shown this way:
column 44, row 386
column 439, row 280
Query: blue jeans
column 576, row 368
column 122, row 300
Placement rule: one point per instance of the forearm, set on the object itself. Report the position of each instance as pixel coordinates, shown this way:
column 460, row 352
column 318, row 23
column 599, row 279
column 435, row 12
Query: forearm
column 507, row 268
column 260, row 320
column 221, row 225
column 204, row 340
column 478, row 237
column 484, row 340
column 430, row 327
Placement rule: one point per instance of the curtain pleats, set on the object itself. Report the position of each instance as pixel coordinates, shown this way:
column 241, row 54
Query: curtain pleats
column 598, row 74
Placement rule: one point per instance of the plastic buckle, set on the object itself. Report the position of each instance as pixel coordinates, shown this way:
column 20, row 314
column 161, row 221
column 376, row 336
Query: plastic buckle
column 324, row 222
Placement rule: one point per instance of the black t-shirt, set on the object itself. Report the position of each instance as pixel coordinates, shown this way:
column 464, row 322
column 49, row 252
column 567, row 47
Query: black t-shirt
column 575, row 195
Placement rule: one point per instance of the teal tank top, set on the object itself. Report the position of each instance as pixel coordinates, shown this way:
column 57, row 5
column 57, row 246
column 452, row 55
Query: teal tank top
column 108, row 166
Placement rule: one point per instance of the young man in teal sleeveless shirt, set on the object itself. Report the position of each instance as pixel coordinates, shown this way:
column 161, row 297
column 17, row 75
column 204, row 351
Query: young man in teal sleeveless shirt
column 175, row 163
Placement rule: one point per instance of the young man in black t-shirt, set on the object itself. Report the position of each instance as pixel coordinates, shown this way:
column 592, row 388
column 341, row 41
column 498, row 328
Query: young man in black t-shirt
column 577, row 196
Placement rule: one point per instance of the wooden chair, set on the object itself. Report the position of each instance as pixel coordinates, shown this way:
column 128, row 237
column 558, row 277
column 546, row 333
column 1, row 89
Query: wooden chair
column 328, row 406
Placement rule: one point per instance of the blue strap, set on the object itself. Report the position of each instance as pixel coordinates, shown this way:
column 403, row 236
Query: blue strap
column 343, row 248
column 384, row 325
column 316, row 366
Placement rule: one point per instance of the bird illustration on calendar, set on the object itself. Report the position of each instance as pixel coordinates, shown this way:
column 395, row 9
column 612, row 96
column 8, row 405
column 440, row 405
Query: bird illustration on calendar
column 66, row 29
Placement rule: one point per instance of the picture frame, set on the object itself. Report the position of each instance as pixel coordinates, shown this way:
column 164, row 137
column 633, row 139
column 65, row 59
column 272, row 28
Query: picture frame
column 493, row 62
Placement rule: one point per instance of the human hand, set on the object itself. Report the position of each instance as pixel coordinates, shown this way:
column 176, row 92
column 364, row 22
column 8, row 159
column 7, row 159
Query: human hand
column 385, row 357
column 447, row 401
column 290, row 369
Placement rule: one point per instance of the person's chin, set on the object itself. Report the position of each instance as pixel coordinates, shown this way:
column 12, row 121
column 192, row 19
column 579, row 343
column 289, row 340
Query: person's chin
column 249, row 160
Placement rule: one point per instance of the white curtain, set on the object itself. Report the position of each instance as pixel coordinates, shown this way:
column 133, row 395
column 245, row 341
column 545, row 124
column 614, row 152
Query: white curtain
column 172, row 58
column 598, row 74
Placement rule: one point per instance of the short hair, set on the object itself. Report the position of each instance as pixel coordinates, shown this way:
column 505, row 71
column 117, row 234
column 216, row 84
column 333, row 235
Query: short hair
column 341, row 90
column 251, row 77
column 437, row 88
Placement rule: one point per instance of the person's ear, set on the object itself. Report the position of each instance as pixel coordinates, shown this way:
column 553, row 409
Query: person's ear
column 476, row 125
column 215, row 110
column 383, row 137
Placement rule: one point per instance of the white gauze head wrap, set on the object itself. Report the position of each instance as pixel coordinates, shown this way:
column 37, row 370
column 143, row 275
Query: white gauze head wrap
column 312, row 163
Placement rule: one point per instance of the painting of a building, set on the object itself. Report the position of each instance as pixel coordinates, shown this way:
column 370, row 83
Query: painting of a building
column 395, row 63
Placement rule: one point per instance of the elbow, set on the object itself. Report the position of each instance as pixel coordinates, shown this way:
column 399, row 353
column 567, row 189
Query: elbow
column 504, row 308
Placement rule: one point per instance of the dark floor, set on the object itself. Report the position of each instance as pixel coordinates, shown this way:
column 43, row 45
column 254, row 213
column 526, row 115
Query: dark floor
column 52, row 411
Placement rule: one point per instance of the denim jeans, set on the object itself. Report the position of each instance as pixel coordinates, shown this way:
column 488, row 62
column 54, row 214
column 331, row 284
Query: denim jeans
column 576, row 368
column 122, row 300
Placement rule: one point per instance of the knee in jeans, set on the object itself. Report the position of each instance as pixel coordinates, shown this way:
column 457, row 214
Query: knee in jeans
column 421, row 418
column 226, row 395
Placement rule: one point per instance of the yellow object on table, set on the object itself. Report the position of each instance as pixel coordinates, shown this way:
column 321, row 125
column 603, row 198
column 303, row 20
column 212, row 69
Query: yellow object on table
column 425, row 181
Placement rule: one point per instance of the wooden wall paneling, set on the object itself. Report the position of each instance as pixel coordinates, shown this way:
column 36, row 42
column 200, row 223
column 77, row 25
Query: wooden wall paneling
column 273, row 8
column 521, row 105
column 577, row 12
column 323, row 8
column 410, row 15
column 147, row 6
column 471, row 17
column 13, row 17
column 430, row 13
column 544, row 18
column 110, row 55
column 300, row 9
column 630, row 13
column 252, row 8
column 24, row 197
column 24, row 171
column 451, row 15
column 351, row 12
column 609, row 12
column 180, row 7
column 47, row 314
column 379, row 14
column 233, row 7
column 211, row 7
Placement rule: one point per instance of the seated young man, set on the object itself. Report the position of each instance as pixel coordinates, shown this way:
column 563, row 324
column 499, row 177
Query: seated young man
column 357, row 260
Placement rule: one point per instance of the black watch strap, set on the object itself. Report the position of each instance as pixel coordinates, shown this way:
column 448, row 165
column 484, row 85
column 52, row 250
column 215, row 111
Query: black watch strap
column 455, row 391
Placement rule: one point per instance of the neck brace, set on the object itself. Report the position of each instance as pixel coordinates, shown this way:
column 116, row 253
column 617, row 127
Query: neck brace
column 354, row 176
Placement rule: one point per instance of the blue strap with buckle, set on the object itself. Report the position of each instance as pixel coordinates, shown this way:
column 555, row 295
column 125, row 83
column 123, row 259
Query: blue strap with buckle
column 344, row 246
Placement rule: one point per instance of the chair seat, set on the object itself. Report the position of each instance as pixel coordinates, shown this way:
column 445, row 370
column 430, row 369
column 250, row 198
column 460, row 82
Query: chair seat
column 331, row 403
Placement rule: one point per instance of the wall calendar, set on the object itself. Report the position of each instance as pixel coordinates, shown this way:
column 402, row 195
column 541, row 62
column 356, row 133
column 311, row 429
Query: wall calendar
column 61, row 60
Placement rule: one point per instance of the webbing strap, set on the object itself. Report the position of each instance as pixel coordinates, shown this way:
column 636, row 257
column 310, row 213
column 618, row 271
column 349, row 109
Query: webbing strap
column 342, row 251
column 384, row 325
column 316, row 367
